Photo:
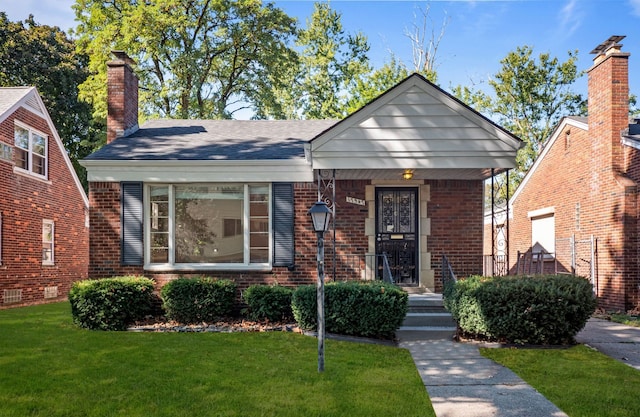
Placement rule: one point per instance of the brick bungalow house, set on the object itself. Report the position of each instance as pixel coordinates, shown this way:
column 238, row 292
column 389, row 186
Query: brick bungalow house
column 44, row 211
column 229, row 198
column 578, row 205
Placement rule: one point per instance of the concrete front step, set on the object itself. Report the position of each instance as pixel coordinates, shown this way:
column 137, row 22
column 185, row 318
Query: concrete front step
column 441, row 319
column 431, row 303
column 412, row 333
column 427, row 309
column 427, row 319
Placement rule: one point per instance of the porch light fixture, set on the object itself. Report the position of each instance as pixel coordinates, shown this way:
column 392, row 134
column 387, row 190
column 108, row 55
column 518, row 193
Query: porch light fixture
column 407, row 174
column 321, row 216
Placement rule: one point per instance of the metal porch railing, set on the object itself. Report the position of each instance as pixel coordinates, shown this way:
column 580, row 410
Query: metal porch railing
column 448, row 276
column 367, row 267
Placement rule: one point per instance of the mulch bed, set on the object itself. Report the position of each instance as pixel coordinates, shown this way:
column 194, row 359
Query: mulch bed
column 160, row 324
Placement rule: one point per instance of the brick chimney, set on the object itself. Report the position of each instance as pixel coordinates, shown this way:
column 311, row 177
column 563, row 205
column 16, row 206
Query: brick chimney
column 122, row 97
column 609, row 100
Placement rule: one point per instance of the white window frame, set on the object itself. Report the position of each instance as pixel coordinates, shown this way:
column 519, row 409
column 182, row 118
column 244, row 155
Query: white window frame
column 543, row 230
column 50, row 261
column 30, row 168
column 6, row 152
column 172, row 265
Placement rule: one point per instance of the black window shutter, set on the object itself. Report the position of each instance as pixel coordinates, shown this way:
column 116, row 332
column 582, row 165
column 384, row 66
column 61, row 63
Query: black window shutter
column 283, row 214
column 131, row 246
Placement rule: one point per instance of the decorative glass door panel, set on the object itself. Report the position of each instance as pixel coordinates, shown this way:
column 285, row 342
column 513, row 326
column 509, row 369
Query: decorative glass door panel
column 396, row 231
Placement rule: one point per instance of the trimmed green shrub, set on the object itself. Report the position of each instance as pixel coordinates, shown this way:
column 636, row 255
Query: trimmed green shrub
column 268, row 302
column 547, row 310
column 373, row 309
column 111, row 303
column 460, row 300
column 197, row 300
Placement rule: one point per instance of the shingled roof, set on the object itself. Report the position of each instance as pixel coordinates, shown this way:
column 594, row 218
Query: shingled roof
column 239, row 140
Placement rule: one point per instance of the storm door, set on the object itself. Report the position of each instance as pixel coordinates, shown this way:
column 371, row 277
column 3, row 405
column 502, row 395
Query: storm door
column 397, row 232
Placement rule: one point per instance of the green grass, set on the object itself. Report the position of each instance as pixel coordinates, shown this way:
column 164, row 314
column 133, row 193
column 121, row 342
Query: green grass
column 49, row 367
column 579, row 380
column 629, row 320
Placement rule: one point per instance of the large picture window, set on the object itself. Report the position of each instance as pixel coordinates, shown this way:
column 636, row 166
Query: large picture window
column 31, row 151
column 204, row 225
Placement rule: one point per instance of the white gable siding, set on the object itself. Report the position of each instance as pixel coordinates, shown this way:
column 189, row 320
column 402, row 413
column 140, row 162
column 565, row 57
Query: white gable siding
column 417, row 127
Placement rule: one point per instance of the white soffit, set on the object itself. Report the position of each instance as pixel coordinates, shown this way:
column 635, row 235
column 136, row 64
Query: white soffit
column 415, row 125
column 199, row 171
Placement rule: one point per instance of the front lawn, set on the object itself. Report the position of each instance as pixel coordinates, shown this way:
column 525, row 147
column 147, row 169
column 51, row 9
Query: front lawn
column 628, row 319
column 579, row 380
column 49, row 367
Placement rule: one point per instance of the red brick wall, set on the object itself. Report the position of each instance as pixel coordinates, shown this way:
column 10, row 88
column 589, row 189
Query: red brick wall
column 455, row 210
column 568, row 176
column 122, row 106
column 104, row 242
column 350, row 239
column 24, row 202
column 632, row 168
column 456, row 229
column 586, row 168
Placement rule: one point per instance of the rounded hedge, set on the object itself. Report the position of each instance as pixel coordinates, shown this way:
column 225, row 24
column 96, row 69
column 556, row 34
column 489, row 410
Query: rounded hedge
column 111, row 303
column 268, row 302
column 197, row 300
column 373, row 309
column 545, row 309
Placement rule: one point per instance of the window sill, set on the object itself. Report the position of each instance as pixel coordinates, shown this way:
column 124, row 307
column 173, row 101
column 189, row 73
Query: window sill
column 31, row 175
column 206, row 267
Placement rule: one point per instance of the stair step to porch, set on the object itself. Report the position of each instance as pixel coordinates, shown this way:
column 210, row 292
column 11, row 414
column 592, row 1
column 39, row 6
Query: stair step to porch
column 405, row 334
column 426, row 303
column 427, row 319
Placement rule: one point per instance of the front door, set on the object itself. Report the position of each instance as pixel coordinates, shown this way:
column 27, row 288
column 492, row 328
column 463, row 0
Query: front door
column 396, row 232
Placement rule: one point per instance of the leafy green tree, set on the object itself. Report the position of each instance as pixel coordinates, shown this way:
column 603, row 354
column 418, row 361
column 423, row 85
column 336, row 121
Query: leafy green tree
column 331, row 62
column 44, row 57
column 368, row 87
column 634, row 110
column 196, row 58
column 528, row 98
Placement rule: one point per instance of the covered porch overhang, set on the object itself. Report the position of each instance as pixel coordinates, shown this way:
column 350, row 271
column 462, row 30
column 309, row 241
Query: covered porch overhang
column 405, row 174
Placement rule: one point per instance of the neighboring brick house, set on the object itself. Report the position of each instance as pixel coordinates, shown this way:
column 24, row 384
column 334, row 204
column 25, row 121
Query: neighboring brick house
column 579, row 201
column 229, row 198
column 44, row 212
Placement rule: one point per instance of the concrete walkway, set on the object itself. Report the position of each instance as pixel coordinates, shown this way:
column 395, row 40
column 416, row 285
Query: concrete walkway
column 618, row 341
column 462, row 383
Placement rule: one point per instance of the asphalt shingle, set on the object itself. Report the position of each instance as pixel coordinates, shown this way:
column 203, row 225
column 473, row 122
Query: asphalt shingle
column 10, row 96
column 172, row 139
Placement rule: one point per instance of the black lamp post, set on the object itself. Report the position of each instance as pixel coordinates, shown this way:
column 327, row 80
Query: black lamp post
column 321, row 216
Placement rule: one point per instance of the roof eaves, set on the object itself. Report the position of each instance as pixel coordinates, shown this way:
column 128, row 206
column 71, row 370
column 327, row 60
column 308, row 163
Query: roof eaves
column 31, row 93
column 580, row 123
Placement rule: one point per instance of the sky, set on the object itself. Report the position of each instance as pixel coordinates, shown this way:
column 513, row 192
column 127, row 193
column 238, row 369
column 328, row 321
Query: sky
column 477, row 35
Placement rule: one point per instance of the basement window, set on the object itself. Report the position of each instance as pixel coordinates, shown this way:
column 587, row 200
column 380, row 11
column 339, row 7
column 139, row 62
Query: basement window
column 12, row 296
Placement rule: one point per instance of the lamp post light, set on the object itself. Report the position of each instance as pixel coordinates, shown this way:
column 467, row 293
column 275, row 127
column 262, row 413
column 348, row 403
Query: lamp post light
column 321, row 216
